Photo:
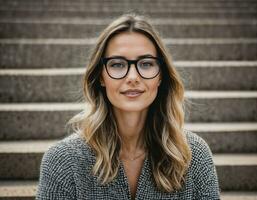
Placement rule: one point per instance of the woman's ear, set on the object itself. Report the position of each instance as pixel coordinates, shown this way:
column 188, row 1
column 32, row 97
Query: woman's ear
column 159, row 83
column 102, row 82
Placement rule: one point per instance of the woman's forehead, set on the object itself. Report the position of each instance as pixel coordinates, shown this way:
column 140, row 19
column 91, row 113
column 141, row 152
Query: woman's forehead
column 130, row 45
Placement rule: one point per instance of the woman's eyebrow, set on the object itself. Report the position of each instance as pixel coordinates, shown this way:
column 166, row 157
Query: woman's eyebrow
column 138, row 57
column 145, row 55
column 116, row 56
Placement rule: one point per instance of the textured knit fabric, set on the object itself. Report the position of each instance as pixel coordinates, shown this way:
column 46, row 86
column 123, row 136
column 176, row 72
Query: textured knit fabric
column 66, row 173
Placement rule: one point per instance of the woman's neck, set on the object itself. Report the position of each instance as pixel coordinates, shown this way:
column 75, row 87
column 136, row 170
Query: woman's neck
column 130, row 127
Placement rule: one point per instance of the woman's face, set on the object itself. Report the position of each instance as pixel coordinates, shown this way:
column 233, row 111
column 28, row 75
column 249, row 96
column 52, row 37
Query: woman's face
column 131, row 93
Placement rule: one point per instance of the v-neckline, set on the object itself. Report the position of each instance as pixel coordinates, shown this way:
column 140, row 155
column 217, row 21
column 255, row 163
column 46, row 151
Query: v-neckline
column 142, row 179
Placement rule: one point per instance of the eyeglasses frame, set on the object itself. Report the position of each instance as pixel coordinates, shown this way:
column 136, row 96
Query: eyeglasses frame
column 104, row 61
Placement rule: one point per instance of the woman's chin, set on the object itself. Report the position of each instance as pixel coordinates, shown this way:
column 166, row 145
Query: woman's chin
column 131, row 108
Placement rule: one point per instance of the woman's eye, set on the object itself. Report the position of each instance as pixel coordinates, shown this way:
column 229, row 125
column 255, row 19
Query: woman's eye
column 117, row 65
column 146, row 64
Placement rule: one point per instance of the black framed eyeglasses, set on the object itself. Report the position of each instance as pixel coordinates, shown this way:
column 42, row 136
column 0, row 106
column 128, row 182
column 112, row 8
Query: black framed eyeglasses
column 117, row 67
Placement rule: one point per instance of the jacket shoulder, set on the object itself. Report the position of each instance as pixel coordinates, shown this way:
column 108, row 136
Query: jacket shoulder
column 196, row 143
column 60, row 158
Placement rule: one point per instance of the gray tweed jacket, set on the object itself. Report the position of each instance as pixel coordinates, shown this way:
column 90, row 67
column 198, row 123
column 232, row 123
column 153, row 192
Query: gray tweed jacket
column 66, row 174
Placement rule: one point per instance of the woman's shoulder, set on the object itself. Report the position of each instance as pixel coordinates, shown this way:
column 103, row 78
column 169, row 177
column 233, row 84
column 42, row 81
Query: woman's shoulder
column 201, row 153
column 66, row 151
column 59, row 165
column 70, row 144
column 196, row 142
column 200, row 149
column 202, row 168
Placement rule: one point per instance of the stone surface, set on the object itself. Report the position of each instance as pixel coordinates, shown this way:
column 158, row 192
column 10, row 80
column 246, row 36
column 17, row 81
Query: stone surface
column 239, row 168
column 227, row 137
column 27, row 190
column 221, row 109
column 37, row 53
column 18, row 189
column 111, row 8
column 39, row 14
column 220, row 141
column 231, row 142
column 229, row 177
column 20, row 166
column 65, row 85
column 219, row 78
column 40, row 121
column 163, row 5
column 236, row 171
column 174, row 28
column 238, row 195
column 61, row 88
column 31, row 124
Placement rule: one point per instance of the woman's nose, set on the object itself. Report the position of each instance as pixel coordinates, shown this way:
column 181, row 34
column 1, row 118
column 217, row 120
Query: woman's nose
column 132, row 73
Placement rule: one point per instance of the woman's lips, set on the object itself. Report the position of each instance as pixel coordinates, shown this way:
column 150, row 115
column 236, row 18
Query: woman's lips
column 132, row 93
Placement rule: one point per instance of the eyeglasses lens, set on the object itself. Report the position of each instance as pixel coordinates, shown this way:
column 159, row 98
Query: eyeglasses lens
column 147, row 67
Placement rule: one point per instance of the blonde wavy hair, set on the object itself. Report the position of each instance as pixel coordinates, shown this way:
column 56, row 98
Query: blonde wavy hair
column 165, row 140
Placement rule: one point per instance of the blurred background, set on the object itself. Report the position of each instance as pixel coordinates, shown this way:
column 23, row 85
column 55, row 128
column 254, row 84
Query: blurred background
column 44, row 46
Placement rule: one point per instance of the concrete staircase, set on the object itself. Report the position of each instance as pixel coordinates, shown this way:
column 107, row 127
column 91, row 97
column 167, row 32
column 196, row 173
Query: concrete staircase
column 44, row 46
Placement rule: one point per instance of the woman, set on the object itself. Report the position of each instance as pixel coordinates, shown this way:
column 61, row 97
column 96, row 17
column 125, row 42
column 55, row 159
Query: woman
column 130, row 143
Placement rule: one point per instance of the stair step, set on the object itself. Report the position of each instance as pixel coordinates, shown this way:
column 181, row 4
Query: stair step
column 122, row 5
column 236, row 171
column 90, row 2
column 238, row 195
column 151, row 8
column 221, row 137
column 23, row 119
column 18, row 190
column 72, row 52
column 26, row 146
column 227, row 137
column 21, row 189
column 235, row 159
column 81, row 28
column 204, row 107
column 169, row 9
column 172, row 14
column 21, row 160
column 221, row 106
column 65, row 84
